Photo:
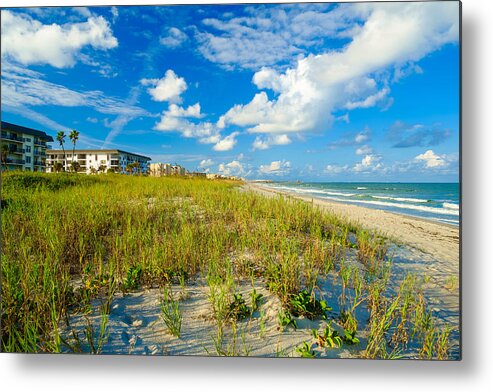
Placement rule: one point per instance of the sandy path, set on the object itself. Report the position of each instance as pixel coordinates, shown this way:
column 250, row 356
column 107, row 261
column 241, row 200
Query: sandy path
column 439, row 240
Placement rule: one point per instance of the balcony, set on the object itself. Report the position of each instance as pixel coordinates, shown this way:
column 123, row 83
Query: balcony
column 39, row 153
column 39, row 142
column 39, row 163
column 16, row 161
column 16, row 150
column 12, row 137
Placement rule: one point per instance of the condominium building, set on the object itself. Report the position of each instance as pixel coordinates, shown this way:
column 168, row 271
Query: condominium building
column 166, row 169
column 159, row 169
column 25, row 148
column 99, row 161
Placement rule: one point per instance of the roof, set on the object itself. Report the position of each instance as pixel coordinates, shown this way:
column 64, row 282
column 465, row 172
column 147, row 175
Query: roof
column 19, row 128
column 96, row 151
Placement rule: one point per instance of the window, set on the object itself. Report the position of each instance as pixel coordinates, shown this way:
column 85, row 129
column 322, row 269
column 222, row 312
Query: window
column 103, row 162
column 27, row 139
column 28, row 159
column 28, row 148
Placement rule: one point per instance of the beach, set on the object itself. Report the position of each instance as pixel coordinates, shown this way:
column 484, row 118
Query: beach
column 438, row 239
column 180, row 266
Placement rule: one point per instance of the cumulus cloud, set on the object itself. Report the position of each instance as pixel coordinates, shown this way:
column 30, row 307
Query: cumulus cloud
column 261, row 143
column 276, row 167
column 226, row 143
column 364, row 150
column 307, row 95
column 233, row 168
column 431, row 160
column 370, row 162
column 405, row 135
column 174, row 38
column 28, row 41
column 204, row 163
column 168, row 88
column 336, row 169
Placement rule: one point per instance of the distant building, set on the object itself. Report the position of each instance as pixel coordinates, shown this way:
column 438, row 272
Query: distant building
column 178, row 170
column 97, row 161
column 198, row 174
column 159, row 169
column 25, row 148
column 166, row 169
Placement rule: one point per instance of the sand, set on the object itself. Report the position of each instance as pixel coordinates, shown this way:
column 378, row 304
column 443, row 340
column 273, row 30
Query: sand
column 439, row 240
column 135, row 325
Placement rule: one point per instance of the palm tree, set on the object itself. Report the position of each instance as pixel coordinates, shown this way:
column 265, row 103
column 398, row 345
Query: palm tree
column 136, row 166
column 5, row 154
column 60, row 137
column 74, row 136
column 57, row 166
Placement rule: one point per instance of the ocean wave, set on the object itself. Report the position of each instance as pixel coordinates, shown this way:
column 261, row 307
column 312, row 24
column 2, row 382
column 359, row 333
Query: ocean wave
column 404, row 199
column 310, row 190
column 451, row 206
column 434, row 210
column 361, row 187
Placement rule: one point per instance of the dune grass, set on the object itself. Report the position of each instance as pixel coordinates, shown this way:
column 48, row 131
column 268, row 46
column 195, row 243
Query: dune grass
column 68, row 239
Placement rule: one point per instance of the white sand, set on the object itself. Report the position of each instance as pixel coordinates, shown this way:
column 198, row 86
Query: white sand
column 135, row 325
column 439, row 240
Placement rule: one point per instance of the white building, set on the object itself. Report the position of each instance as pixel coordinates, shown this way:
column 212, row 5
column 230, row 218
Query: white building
column 26, row 148
column 96, row 161
column 166, row 169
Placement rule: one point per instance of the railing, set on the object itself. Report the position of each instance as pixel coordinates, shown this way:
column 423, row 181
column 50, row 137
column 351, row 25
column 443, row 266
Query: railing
column 39, row 142
column 12, row 137
column 15, row 150
column 39, row 163
column 16, row 161
column 40, row 153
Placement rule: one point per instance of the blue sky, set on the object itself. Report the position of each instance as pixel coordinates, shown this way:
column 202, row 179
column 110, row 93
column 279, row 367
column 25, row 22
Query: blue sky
column 319, row 92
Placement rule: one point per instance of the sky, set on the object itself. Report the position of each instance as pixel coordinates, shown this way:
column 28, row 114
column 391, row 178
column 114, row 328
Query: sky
column 311, row 92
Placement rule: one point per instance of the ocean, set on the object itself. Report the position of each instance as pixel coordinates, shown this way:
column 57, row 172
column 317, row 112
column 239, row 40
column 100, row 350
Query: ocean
column 433, row 201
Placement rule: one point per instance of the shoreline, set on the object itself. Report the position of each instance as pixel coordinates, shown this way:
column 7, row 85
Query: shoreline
column 436, row 238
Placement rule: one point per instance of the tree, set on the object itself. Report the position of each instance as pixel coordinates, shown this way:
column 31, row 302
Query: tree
column 129, row 168
column 136, row 166
column 74, row 136
column 75, row 166
column 4, row 155
column 102, row 168
column 93, row 170
column 60, row 137
column 57, row 166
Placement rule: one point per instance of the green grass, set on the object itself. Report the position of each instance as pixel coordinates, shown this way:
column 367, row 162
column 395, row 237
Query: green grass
column 118, row 233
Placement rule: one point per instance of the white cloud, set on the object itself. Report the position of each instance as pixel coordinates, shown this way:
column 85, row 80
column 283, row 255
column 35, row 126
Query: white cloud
column 336, row 169
column 233, row 168
column 370, row 162
column 364, row 150
column 227, row 143
column 178, row 111
column 21, row 87
column 276, row 167
column 431, row 160
column 28, row 41
column 174, row 39
column 206, row 163
column 268, row 36
column 261, row 143
column 168, row 88
column 308, row 94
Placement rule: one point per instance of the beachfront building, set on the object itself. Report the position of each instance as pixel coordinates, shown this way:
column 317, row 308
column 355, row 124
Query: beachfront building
column 166, row 169
column 159, row 169
column 23, row 148
column 99, row 161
